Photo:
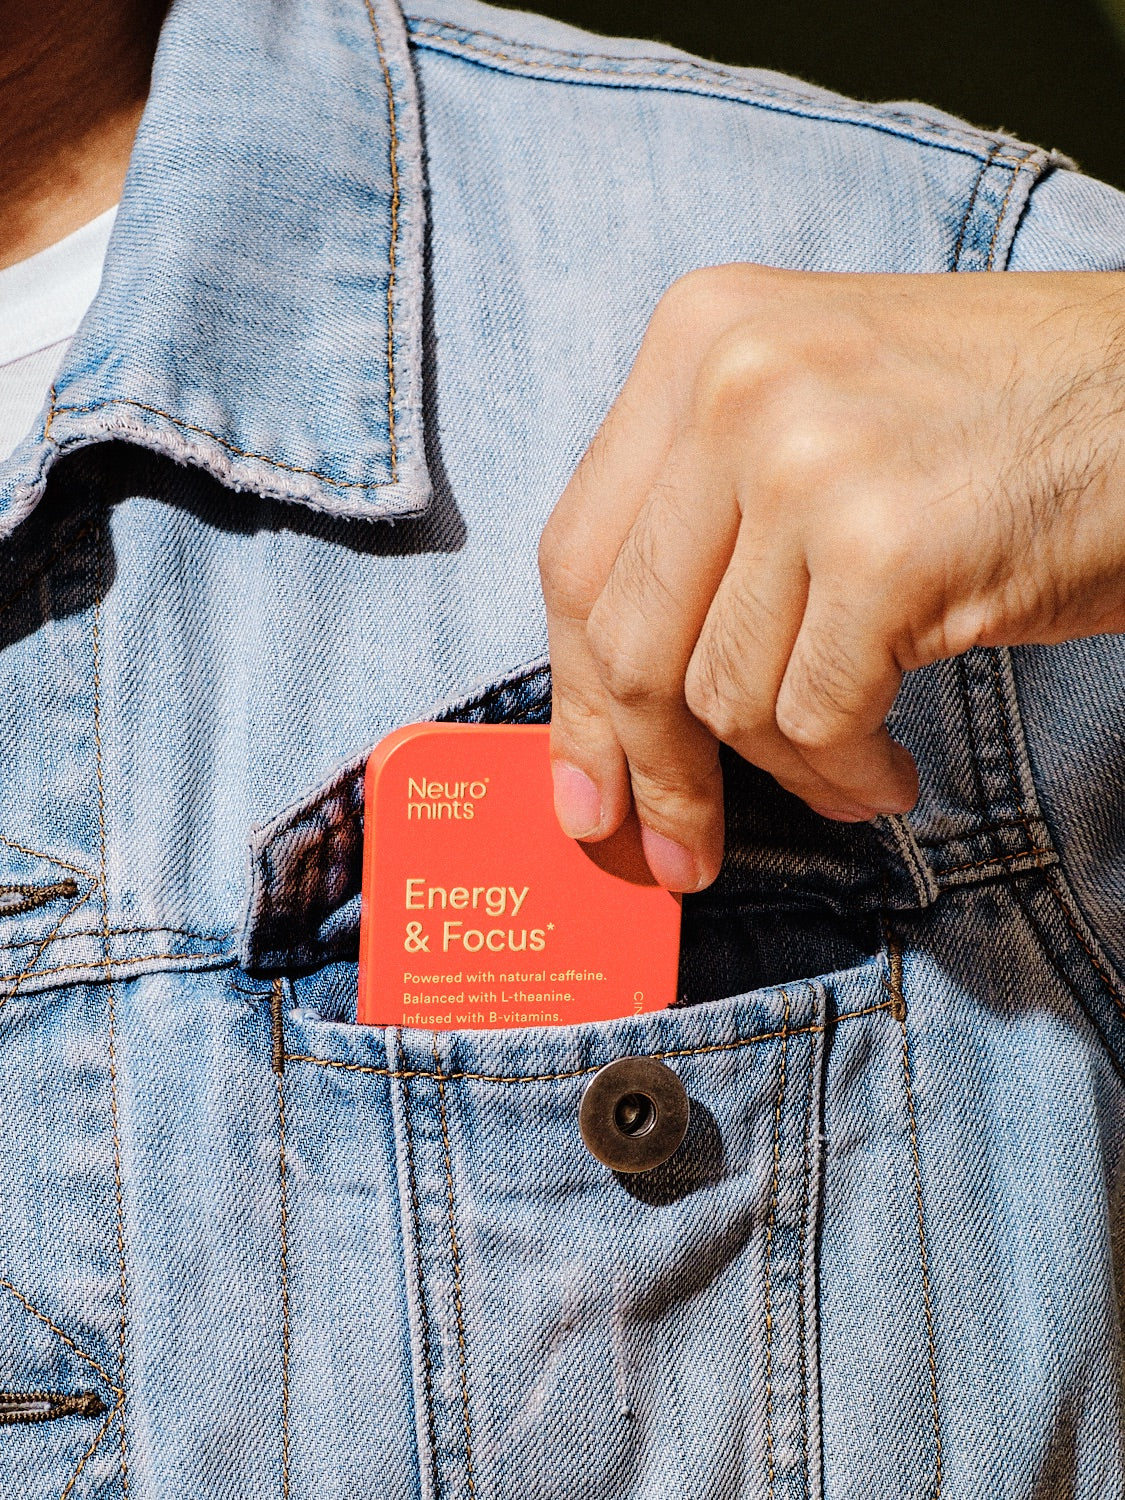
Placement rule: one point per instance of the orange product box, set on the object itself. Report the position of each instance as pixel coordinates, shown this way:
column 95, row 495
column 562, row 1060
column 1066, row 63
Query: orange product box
column 478, row 911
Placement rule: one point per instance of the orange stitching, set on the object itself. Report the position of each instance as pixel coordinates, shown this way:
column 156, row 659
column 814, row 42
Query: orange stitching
column 801, row 1329
column 111, row 1005
column 746, row 1041
column 38, row 854
column 55, row 1329
column 284, row 1187
column 271, row 463
column 1005, row 730
column 1041, row 857
column 392, row 253
column 204, row 937
column 772, row 1219
column 423, row 1316
column 985, row 164
column 689, row 69
column 1016, row 170
column 52, row 937
column 112, row 968
column 456, row 1256
column 1099, row 968
column 91, row 1450
column 50, row 415
column 926, row 1296
column 29, row 582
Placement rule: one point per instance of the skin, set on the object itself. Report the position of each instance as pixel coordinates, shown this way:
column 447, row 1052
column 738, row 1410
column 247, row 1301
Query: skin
column 74, row 76
column 810, row 484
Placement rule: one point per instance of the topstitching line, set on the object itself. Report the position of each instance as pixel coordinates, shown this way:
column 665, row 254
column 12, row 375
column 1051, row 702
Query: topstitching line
column 731, row 1046
column 392, row 250
column 272, row 463
column 685, row 71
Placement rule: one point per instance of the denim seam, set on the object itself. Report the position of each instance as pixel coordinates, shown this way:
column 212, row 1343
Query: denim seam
column 455, row 1254
column 983, row 801
column 99, row 541
column 1096, row 964
column 392, row 248
column 156, row 411
column 927, row 1298
column 112, row 968
column 283, row 1268
column 732, row 1046
column 92, row 1449
column 1006, row 732
column 38, row 853
column 77, row 932
column 419, row 1273
column 712, row 79
column 43, row 946
column 806, row 1199
column 770, row 1222
column 1038, row 857
column 30, row 1307
column 277, row 1026
column 972, row 203
column 1016, row 170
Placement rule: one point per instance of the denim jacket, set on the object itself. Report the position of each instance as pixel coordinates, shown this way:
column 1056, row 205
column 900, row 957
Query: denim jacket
column 373, row 283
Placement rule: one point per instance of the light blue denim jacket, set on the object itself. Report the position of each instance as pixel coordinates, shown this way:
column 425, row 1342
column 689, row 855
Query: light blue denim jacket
column 373, row 283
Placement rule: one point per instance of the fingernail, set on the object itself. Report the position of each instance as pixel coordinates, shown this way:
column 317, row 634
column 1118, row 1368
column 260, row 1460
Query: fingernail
column 578, row 803
column 672, row 865
column 853, row 814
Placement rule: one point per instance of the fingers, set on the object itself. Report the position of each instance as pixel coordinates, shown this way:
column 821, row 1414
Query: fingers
column 739, row 664
column 840, row 682
column 641, row 633
column 577, row 553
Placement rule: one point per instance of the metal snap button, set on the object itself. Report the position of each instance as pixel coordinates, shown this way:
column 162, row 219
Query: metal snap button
column 634, row 1114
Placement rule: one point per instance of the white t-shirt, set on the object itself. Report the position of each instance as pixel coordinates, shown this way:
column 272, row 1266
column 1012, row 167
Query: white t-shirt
column 42, row 301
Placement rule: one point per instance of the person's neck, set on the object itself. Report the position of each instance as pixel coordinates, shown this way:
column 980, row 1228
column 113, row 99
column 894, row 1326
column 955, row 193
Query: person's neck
column 74, row 76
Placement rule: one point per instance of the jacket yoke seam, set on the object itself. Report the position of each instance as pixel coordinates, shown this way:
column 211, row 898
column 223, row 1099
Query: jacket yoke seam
column 679, row 74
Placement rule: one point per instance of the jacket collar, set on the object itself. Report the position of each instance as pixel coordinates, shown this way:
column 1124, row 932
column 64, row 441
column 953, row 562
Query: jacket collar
column 260, row 311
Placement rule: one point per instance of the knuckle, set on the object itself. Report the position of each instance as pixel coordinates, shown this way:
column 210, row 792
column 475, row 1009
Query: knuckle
column 568, row 586
column 814, row 707
column 625, row 674
column 742, row 370
column 678, row 796
column 717, row 694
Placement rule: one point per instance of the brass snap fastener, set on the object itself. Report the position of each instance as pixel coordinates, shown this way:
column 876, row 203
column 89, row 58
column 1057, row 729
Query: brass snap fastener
column 634, row 1114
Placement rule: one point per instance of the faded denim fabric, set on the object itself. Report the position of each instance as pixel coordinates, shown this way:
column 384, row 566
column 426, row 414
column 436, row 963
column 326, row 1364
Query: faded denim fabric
column 373, row 283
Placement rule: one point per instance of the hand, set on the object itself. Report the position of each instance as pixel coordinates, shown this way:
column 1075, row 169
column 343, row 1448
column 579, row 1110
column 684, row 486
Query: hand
column 810, row 484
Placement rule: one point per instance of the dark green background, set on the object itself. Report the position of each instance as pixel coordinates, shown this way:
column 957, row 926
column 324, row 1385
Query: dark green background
column 1049, row 71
